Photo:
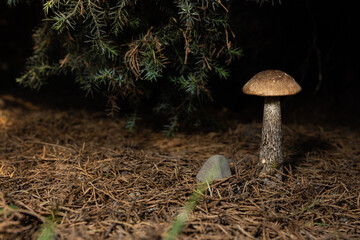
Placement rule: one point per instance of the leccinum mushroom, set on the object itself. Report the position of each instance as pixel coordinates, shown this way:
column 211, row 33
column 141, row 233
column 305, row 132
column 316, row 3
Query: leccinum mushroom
column 271, row 84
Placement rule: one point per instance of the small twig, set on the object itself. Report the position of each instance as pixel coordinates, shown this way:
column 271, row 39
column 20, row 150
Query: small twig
column 244, row 232
column 54, row 145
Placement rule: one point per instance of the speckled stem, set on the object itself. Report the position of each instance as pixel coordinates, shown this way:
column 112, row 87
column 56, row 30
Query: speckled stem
column 271, row 153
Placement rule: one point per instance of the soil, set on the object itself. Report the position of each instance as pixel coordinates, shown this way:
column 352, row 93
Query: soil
column 88, row 177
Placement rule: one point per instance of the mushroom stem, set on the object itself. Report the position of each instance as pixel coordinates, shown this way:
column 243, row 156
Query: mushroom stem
column 271, row 155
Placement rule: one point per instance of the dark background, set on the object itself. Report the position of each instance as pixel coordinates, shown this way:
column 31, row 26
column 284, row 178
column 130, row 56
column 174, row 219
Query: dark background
column 314, row 41
column 306, row 39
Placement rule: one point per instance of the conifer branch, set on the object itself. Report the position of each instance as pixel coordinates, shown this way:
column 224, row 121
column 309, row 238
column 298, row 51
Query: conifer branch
column 124, row 47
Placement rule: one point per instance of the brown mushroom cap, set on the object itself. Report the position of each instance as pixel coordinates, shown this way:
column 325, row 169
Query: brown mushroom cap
column 271, row 83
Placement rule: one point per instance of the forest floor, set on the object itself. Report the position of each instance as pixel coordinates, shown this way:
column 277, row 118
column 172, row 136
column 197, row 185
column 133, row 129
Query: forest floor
column 85, row 175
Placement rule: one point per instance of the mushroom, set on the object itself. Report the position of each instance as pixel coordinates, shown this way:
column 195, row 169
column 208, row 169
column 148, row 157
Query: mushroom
column 271, row 84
